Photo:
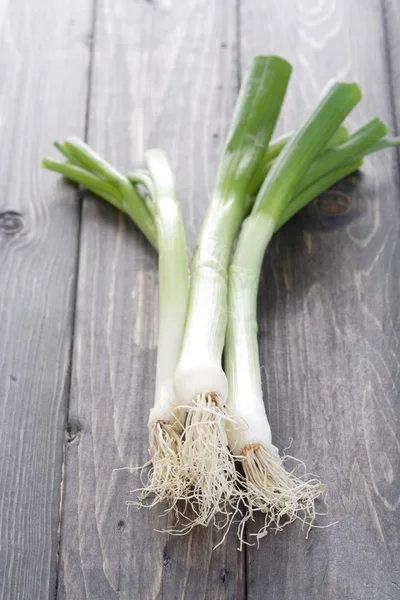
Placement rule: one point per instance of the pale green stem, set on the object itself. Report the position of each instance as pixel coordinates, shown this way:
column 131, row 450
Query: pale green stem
column 173, row 278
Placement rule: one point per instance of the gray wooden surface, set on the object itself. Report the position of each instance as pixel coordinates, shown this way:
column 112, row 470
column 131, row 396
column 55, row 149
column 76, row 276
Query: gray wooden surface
column 78, row 296
column 44, row 58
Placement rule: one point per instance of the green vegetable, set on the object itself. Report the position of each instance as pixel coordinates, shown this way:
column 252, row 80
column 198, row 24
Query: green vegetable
column 269, row 487
column 87, row 168
column 196, row 428
column 200, row 382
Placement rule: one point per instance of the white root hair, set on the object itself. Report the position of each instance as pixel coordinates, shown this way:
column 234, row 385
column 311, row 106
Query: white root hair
column 194, row 474
column 192, row 471
column 283, row 496
column 212, row 494
column 161, row 476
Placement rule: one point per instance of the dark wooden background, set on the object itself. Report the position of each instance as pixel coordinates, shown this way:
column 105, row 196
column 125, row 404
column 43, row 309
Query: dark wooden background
column 78, row 297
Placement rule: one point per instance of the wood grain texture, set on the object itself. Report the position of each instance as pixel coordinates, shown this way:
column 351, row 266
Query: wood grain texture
column 43, row 65
column 164, row 74
column 329, row 323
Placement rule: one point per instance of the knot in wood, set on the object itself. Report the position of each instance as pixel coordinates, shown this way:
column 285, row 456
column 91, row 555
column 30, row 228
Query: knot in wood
column 73, row 428
column 11, row 222
column 333, row 204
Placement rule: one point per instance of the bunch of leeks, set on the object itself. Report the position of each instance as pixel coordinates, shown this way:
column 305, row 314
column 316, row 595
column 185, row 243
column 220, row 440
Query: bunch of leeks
column 208, row 416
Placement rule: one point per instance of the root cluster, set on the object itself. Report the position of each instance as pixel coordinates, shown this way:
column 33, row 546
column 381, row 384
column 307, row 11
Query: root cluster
column 194, row 474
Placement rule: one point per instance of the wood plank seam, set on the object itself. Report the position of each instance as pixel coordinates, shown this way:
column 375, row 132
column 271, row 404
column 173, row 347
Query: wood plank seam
column 44, row 60
column 79, row 197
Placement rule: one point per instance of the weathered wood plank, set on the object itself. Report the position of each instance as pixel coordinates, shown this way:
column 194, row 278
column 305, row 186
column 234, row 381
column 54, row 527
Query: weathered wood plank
column 164, row 74
column 329, row 324
column 44, row 60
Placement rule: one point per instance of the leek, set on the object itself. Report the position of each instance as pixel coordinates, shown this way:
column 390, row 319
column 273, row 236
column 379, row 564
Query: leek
column 281, row 495
column 200, row 382
column 166, row 421
column 160, row 220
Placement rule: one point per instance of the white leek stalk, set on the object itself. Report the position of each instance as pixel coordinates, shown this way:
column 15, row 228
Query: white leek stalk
column 159, row 218
column 281, row 495
column 200, row 383
column 165, row 478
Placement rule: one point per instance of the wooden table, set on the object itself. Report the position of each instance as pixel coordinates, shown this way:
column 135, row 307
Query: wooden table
column 78, row 298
